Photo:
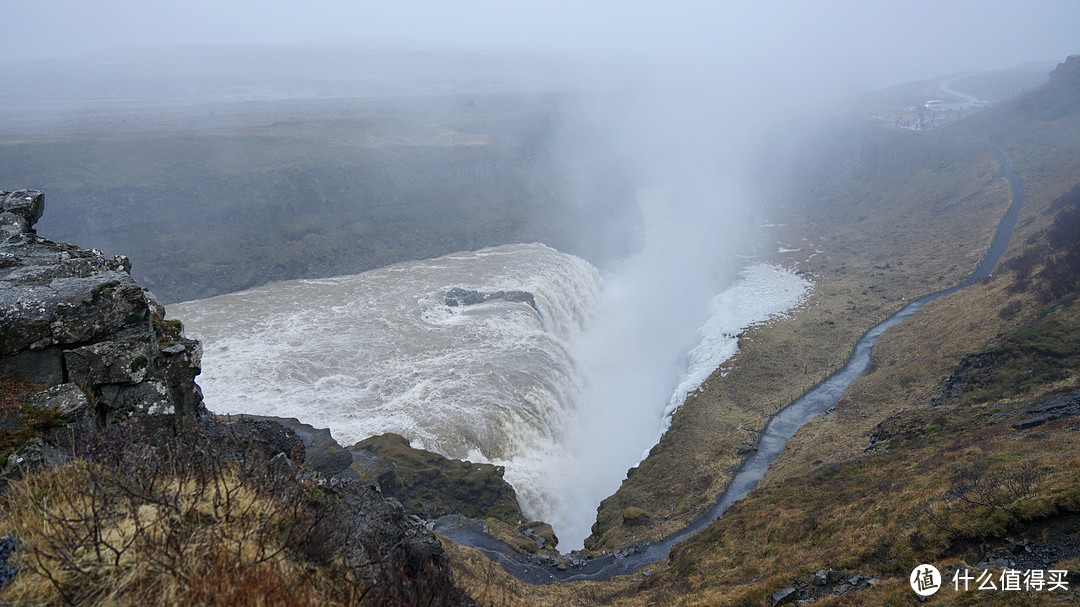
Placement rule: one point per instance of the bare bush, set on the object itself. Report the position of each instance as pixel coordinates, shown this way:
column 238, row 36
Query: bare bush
column 993, row 486
column 209, row 517
column 1010, row 310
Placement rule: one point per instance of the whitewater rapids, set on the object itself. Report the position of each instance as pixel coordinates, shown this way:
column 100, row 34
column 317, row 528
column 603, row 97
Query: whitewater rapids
column 496, row 381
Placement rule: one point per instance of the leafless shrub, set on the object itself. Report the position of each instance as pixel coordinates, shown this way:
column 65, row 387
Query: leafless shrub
column 964, row 511
column 207, row 518
column 1011, row 309
column 993, row 486
column 1021, row 481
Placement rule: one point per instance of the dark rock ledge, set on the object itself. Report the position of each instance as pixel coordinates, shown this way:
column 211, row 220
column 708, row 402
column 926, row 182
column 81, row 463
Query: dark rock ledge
column 470, row 297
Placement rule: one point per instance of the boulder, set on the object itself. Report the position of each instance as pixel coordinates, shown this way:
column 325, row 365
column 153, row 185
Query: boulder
column 320, row 452
column 114, row 361
column 20, row 210
column 1031, row 422
column 458, row 296
column 67, row 399
column 34, row 455
column 784, row 596
column 540, row 532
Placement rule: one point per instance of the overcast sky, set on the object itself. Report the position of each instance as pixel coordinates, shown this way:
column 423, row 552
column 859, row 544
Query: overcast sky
column 905, row 40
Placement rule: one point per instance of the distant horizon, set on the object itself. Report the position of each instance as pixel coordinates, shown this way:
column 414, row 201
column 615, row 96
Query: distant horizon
column 438, row 68
column 845, row 43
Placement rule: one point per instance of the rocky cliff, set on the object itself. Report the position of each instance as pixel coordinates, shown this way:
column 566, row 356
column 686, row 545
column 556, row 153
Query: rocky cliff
column 101, row 417
column 1058, row 98
column 76, row 321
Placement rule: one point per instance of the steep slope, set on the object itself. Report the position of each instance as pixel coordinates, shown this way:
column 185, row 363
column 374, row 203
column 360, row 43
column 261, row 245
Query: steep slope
column 887, row 216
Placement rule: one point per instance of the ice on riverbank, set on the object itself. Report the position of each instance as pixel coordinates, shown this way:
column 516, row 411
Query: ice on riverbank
column 762, row 293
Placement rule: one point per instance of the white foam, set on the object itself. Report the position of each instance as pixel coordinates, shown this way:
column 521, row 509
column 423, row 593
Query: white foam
column 380, row 352
column 762, row 293
column 495, row 382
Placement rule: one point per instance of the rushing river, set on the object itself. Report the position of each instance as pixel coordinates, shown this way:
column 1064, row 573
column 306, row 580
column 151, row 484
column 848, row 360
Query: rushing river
column 567, row 389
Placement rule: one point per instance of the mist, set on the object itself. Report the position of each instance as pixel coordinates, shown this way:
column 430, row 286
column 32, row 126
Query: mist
column 653, row 130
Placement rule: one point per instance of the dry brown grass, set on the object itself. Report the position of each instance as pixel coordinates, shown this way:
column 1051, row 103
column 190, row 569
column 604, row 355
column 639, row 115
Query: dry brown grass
column 207, row 518
column 80, row 547
column 912, row 357
column 10, row 393
column 881, row 515
column 21, row 422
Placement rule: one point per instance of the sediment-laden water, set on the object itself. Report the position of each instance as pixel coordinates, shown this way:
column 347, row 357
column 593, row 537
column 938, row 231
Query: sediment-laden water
column 487, row 376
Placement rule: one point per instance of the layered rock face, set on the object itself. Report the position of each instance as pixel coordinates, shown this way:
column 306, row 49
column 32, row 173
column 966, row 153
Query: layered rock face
column 70, row 317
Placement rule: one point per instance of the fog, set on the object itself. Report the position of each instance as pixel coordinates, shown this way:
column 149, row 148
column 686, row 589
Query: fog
column 672, row 96
column 895, row 41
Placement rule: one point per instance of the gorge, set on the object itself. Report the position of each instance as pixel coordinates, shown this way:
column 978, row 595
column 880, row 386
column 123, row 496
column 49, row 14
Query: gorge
column 679, row 336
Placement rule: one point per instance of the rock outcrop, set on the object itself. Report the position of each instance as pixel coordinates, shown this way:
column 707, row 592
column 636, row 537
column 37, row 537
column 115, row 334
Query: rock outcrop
column 431, row 485
column 1058, row 98
column 73, row 317
column 81, row 340
column 469, row 297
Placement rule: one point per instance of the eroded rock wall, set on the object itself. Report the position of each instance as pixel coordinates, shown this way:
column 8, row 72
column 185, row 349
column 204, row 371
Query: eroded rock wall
column 72, row 316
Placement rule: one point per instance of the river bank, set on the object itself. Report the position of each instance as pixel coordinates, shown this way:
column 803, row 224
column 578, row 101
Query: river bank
column 950, row 399
column 760, row 453
column 865, row 265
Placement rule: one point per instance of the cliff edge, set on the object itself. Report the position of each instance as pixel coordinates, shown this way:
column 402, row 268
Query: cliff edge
column 77, row 322
column 118, row 487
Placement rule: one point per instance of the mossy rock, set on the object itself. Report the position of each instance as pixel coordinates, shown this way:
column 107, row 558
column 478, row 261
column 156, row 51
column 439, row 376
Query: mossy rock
column 510, row 535
column 544, row 534
column 632, row 515
column 432, row 485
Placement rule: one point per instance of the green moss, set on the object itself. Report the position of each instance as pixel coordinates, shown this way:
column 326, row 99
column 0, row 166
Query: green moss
column 881, row 447
column 506, row 533
column 139, row 362
column 168, row 331
column 1026, row 360
column 30, row 423
column 433, row 485
column 984, row 522
column 135, row 318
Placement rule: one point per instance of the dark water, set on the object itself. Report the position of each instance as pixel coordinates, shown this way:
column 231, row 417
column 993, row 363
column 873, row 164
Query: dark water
column 771, row 442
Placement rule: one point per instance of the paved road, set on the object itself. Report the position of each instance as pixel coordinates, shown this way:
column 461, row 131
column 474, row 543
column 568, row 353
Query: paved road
column 945, row 86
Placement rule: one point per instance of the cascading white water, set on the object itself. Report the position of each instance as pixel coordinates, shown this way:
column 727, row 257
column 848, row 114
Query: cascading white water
column 382, row 352
column 566, row 397
column 667, row 318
